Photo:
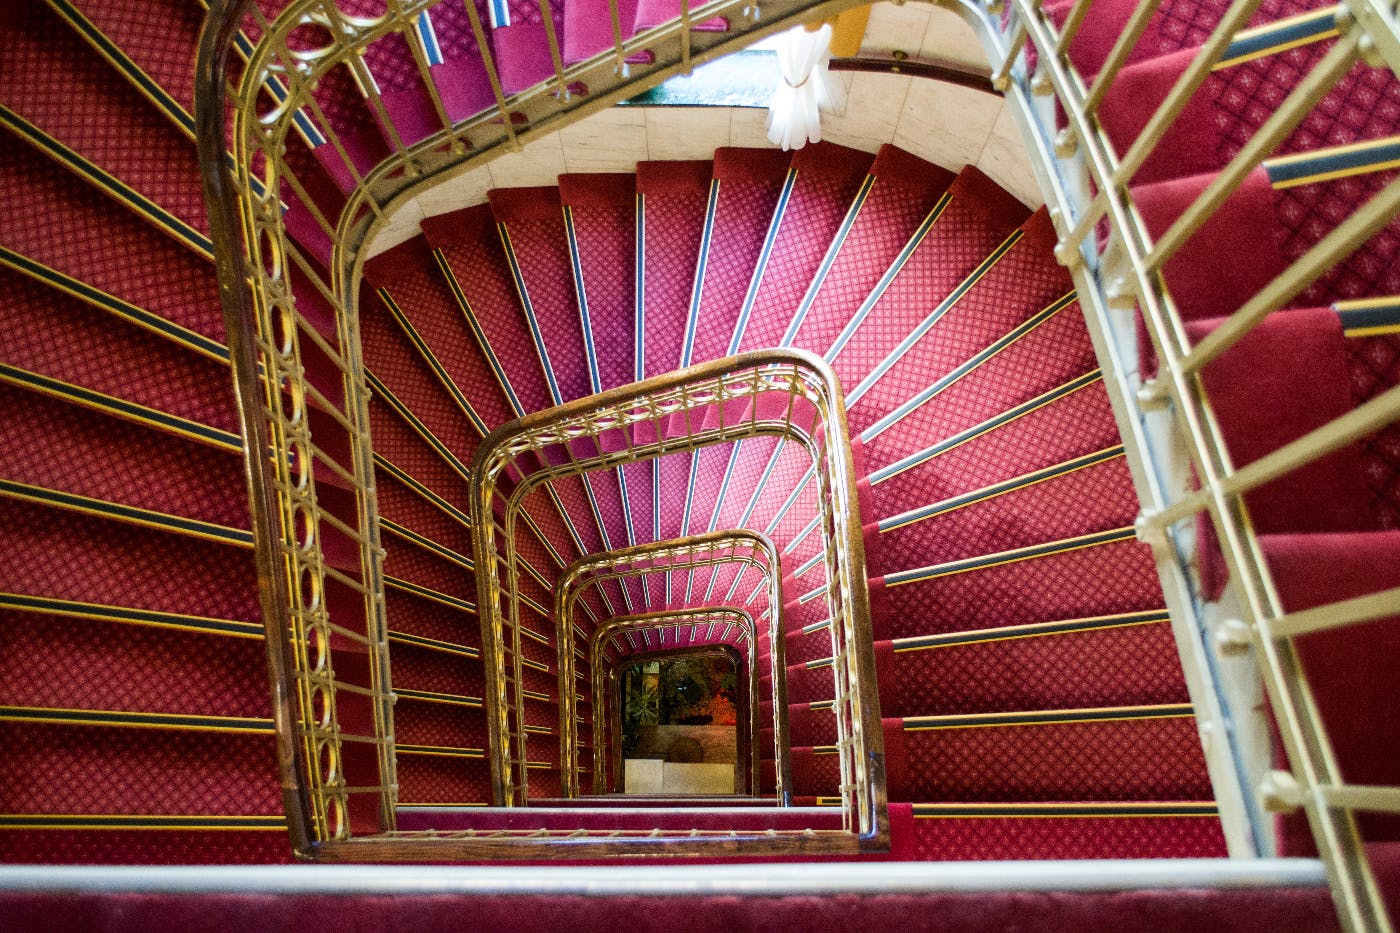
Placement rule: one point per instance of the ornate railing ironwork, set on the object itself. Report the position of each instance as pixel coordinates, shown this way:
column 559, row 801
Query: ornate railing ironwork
column 781, row 393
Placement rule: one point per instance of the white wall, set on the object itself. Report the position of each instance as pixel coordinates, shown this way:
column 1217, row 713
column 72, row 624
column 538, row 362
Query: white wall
column 949, row 125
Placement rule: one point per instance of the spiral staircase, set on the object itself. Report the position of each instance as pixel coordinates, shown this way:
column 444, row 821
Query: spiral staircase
column 990, row 670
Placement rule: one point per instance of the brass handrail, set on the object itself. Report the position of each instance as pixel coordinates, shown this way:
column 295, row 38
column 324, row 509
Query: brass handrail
column 605, row 687
column 1087, row 182
column 281, row 304
column 747, row 548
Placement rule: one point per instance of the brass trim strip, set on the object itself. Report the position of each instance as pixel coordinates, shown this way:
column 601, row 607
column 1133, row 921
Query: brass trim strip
column 439, row 751
column 46, row 605
column 1035, row 630
column 434, row 644
column 1106, row 810
column 1025, row 481
column 120, row 408
column 1016, row 555
column 429, row 594
column 1055, row 717
column 127, row 514
column 122, row 821
column 186, row 722
column 426, row 543
column 429, row 696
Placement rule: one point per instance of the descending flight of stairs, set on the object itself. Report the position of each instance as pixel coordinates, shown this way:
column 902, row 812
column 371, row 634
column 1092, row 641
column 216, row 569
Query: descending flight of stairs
column 1033, row 703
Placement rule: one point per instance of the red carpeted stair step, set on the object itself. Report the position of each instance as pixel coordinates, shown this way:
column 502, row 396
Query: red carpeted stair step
column 412, row 513
column 468, row 247
column 70, row 662
column 49, row 333
column 1073, row 421
column 651, row 13
column 409, row 112
column 415, row 567
column 904, row 191
column 968, row 233
column 585, row 521
column 1125, row 660
column 588, row 27
column 1177, row 25
column 76, row 230
column 600, row 213
column 1082, row 497
column 995, row 832
column 355, row 143
column 419, row 721
column 89, row 455
column 1239, row 95
column 461, row 79
column 410, row 453
column 743, row 196
column 811, row 724
column 671, row 197
column 311, row 207
column 522, row 48
column 1122, row 754
column 703, row 488
column 418, row 617
column 1345, row 668
column 421, row 303
column 790, row 466
column 1374, row 364
column 1207, row 280
column 1046, row 350
column 531, row 221
column 1299, row 355
column 1012, row 282
column 423, row 399
column 66, row 555
column 1236, row 100
column 808, row 644
column 159, row 38
column 105, row 121
column 1102, row 574
column 111, row 770
column 443, row 776
column 749, row 479
column 826, row 186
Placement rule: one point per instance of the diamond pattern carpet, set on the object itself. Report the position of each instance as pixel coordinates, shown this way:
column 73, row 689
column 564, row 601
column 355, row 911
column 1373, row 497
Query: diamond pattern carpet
column 480, row 322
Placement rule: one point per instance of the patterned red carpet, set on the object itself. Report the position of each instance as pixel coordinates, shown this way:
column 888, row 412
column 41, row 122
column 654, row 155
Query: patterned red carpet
column 1034, row 704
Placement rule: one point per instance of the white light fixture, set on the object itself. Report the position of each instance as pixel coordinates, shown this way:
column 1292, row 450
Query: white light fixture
column 794, row 113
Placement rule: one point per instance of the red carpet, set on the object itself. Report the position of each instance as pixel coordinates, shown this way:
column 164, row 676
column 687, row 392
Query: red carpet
column 934, row 293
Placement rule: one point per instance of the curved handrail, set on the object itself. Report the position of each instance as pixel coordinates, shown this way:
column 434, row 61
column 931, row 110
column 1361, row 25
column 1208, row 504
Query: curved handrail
column 293, row 335
column 786, row 393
